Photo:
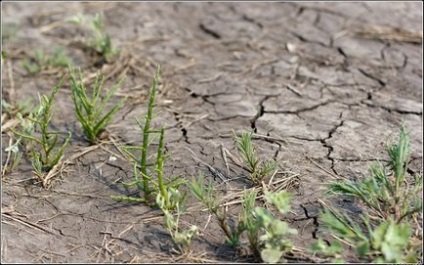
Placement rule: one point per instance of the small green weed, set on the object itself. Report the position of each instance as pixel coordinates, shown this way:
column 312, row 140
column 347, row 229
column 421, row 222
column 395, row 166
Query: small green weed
column 91, row 109
column 389, row 201
column 12, row 112
column 144, row 176
column 9, row 31
column 206, row 195
column 181, row 238
column 42, row 61
column 326, row 250
column 41, row 145
column 13, row 156
column 266, row 232
column 99, row 41
column 258, row 169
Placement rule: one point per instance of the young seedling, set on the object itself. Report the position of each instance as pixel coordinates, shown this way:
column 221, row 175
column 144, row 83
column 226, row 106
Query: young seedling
column 91, row 109
column 206, row 195
column 258, row 169
column 12, row 112
column 149, row 181
column 325, row 250
column 43, row 61
column 39, row 141
column 99, row 41
column 267, row 234
column 390, row 201
column 9, row 31
column 181, row 238
column 13, row 156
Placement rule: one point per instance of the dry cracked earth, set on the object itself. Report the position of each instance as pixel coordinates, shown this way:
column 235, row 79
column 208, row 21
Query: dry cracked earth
column 324, row 86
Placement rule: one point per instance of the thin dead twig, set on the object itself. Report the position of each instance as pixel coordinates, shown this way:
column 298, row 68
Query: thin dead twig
column 292, row 89
column 30, row 225
column 325, row 170
column 389, row 33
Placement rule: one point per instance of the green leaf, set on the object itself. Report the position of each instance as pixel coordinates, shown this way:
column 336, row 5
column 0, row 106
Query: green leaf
column 338, row 261
column 379, row 234
column 14, row 147
column 281, row 200
column 264, row 217
column 398, row 234
column 362, row 248
column 271, row 255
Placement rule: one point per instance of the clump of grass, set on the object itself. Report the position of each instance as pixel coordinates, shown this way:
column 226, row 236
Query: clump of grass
column 181, row 238
column 42, row 61
column 99, row 41
column 390, row 203
column 39, row 141
column 258, row 168
column 91, row 108
column 149, row 176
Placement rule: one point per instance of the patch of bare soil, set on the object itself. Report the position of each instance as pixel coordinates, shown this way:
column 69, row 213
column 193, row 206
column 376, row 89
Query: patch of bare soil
column 325, row 84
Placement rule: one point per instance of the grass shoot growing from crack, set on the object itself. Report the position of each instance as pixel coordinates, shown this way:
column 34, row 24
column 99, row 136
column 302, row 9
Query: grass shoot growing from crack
column 150, row 182
column 91, row 108
column 258, row 169
column 391, row 200
column 40, row 142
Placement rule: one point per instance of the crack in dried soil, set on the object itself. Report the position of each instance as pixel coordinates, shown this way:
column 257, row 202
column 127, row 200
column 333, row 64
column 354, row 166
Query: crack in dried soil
column 372, row 77
column 331, row 148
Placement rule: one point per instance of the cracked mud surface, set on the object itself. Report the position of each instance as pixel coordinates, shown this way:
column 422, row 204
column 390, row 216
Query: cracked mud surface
column 327, row 101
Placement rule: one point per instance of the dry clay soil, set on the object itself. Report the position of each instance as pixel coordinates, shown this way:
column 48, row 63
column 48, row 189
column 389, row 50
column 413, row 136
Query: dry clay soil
column 322, row 90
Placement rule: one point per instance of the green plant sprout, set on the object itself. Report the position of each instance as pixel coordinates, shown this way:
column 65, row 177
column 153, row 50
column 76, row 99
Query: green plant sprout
column 206, row 195
column 327, row 251
column 389, row 204
column 266, row 233
column 144, row 177
column 258, row 169
column 13, row 112
column 41, row 146
column 274, row 242
column 43, row 61
column 24, row 107
column 181, row 238
column 91, row 109
column 99, row 41
column 9, row 31
column 13, row 157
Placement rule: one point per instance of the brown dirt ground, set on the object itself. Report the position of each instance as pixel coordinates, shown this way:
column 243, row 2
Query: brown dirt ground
column 317, row 78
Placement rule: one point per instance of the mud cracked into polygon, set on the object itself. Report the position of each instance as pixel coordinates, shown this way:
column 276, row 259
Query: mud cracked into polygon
column 323, row 85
